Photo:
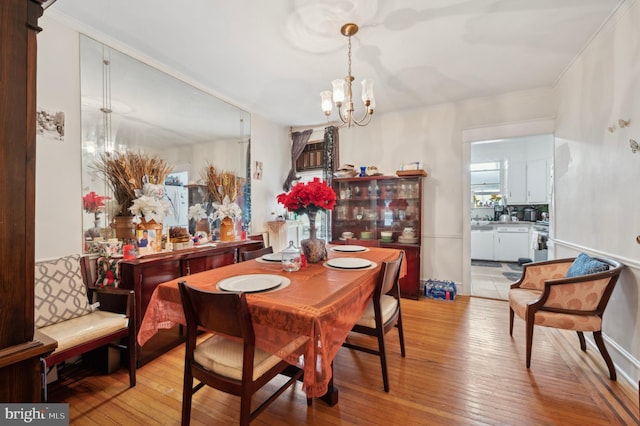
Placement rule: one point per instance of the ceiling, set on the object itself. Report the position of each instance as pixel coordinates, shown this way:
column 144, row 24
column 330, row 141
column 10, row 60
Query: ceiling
column 275, row 57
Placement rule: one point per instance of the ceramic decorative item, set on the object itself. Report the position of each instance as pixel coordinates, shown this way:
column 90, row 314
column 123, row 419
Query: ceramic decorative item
column 314, row 249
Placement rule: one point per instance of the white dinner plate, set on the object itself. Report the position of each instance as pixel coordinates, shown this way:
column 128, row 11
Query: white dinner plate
column 349, row 248
column 349, row 263
column 250, row 283
column 272, row 257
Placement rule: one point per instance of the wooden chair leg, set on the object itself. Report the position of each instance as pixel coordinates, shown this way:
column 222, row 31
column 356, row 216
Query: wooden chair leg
column 187, row 395
column 597, row 336
column 245, row 407
column 510, row 321
column 583, row 343
column 401, row 335
column 383, row 360
column 529, row 334
column 132, row 360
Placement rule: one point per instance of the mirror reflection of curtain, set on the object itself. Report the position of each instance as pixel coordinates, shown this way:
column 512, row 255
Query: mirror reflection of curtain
column 300, row 140
column 330, row 163
column 331, row 152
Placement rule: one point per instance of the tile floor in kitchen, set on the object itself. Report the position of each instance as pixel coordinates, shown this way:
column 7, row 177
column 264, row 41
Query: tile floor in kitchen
column 493, row 281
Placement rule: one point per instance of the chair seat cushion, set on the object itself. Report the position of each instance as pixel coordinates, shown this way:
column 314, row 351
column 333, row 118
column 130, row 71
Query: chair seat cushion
column 519, row 298
column 388, row 305
column 224, row 356
column 83, row 329
column 568, row 321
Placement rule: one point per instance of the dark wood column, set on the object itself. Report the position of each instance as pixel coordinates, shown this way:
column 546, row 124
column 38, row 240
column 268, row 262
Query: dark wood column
column 19, row 351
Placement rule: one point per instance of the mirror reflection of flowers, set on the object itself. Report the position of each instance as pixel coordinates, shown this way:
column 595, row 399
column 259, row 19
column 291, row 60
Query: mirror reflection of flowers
column 127, row 172
column 221, row 184
column 94, row 203
column 151, row 203
column 226, row 209
column 197, row 212
column 309, row 197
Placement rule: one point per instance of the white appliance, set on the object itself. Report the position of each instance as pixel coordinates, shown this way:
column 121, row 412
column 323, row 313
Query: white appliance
column 511, row 243
column 482, row 243
column 539, row 238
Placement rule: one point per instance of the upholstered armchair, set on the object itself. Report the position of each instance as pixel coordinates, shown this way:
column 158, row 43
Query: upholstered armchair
column 569, row 294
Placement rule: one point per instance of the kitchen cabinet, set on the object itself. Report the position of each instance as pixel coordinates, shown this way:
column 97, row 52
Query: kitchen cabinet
column 538, row 177
column 369, row 205
column 528, row 182
column 482, row 244
column 511, row 243
column 516, row 182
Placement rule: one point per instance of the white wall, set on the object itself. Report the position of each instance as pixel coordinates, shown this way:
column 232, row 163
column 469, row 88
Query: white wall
column 270, row 144
column 58, row 164
column 597, row 175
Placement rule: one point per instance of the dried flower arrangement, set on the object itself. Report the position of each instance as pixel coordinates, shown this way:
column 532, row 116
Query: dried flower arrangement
column 125, row 173
column 221, row 184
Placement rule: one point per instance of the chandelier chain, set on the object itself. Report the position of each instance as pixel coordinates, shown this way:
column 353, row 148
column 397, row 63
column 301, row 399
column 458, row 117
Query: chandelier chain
column 349, row 70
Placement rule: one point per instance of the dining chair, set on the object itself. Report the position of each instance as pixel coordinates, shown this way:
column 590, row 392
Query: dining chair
column 382, row 314
column 229, row 360
column 568, row 294
column 253, row 254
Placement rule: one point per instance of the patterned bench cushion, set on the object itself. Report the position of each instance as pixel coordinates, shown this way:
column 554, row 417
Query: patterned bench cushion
column 60, row 294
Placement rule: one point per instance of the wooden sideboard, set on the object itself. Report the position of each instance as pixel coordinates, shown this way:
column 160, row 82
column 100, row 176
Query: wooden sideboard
column 143, row 275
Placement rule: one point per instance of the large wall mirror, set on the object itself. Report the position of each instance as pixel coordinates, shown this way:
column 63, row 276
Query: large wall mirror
column 129, row 105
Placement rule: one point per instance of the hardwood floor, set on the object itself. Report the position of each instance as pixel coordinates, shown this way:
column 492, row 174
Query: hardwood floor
column 461, row 368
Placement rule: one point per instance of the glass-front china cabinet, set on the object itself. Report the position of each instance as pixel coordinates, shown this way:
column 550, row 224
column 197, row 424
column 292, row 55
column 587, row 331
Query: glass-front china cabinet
column 384, row 210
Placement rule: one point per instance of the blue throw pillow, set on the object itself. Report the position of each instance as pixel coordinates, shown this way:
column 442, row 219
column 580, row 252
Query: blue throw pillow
column 585, row 265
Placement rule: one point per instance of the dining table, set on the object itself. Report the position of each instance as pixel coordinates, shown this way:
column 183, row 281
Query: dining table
column 320, row 302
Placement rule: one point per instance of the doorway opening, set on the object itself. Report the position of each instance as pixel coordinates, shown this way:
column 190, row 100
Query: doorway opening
column 510, row 198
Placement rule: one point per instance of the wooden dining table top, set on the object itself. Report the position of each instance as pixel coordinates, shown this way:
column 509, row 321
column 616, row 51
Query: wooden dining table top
column 319, row 302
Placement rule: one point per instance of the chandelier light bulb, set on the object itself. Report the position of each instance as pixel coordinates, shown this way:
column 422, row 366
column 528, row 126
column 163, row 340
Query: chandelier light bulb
column 338, row 91
column 327, row 104
column 367, row 90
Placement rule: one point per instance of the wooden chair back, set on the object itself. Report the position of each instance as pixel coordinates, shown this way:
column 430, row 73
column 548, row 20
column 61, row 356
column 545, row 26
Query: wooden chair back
column 254, row 254
column 226, row 313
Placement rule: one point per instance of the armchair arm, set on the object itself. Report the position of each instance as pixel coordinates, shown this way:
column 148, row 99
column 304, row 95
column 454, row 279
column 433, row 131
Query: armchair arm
column 581, row 295
column 115, row 300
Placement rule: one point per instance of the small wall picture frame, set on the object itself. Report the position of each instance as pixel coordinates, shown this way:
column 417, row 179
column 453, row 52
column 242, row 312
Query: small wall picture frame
column 257, row 170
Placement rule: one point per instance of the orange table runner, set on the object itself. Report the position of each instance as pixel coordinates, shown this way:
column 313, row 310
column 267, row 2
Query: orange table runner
column 321, row 303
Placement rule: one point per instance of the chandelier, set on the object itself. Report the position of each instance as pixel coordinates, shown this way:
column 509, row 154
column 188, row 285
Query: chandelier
column 345, row 104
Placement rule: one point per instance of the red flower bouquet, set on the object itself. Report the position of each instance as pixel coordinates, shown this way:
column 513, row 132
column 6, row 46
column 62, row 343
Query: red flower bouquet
column 309, row 197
